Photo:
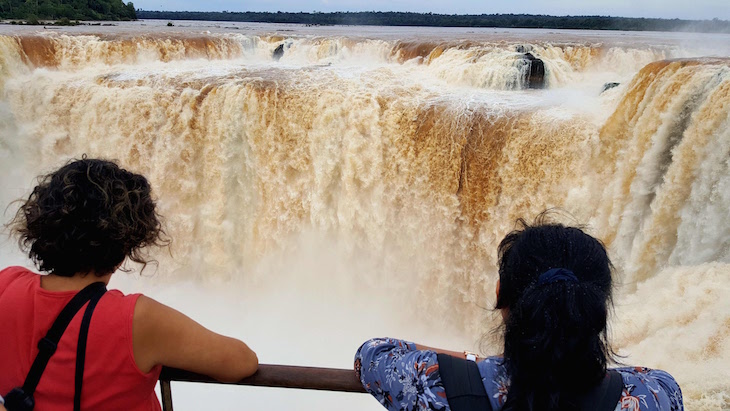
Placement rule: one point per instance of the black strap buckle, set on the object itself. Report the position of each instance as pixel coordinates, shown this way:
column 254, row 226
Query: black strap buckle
column 18, row 400
column 47, row 346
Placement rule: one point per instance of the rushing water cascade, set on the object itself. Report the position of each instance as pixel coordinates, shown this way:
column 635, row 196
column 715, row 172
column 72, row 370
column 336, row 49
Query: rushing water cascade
column 403, row 162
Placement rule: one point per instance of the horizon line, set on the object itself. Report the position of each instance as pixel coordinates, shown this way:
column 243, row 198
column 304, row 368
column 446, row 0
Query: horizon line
column 716, row 19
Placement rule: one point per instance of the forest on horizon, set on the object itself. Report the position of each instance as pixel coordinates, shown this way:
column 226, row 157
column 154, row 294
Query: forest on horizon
column 32, row 11
column 373, row 18
column 118, row 10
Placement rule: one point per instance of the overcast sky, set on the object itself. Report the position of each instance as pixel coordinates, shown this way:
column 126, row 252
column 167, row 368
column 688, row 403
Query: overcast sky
column 683, row 9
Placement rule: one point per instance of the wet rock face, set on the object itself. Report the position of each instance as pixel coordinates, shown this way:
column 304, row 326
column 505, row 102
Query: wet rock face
column 536, row 73
column 523, row 48
column 278, row 52
column 609, row 86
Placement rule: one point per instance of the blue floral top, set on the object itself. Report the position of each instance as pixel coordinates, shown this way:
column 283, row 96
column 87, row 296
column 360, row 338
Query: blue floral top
column 403, row 378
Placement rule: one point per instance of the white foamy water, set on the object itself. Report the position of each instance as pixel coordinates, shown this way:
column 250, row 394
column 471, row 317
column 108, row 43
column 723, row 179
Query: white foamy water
column 359, row 185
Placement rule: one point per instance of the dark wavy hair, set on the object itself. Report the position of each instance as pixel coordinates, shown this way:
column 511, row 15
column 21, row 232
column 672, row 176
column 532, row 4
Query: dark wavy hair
column 88, row 216
column 555, row 339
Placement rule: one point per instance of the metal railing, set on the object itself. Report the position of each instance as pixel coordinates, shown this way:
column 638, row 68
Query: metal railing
column 281, row 376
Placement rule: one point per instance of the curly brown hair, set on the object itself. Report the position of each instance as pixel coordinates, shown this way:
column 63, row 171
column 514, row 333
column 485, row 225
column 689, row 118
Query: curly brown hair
column 88, row 216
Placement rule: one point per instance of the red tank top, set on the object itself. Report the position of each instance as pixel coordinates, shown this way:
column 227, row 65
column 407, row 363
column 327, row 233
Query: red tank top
column 112, row 380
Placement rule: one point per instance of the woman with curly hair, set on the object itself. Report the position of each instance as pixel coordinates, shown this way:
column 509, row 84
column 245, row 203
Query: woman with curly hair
column 554, row 294
column 79, row 225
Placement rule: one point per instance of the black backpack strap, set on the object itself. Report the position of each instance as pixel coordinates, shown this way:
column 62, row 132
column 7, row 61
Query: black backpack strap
column 465, row 390
column 614, row 392
column 81, row 348
column 48, row 344
column 604, row 396
column 463, row 384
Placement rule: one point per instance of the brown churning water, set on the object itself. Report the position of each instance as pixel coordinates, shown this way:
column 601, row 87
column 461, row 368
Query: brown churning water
column 405, row 158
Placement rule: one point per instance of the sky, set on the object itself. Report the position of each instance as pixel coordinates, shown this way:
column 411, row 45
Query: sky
column 682, row 9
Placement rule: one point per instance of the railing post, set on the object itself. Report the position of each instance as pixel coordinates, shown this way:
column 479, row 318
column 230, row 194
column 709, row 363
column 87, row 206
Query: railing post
column 166, row 392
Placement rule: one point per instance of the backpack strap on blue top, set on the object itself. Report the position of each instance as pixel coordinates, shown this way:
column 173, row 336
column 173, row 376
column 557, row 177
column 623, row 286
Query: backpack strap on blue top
column 463, row 384
column 465, row 390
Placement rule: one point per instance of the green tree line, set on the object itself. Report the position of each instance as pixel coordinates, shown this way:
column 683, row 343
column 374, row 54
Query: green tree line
column 70, row 9
column 451, row 20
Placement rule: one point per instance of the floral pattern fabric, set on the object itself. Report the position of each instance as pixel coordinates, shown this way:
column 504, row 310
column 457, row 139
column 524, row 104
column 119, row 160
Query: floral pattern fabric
column 403, row 378
column 399, row 376
column 647, row 389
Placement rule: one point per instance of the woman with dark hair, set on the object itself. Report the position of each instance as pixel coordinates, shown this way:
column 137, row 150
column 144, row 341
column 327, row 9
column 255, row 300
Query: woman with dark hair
column 79, row 225
column 554, row 294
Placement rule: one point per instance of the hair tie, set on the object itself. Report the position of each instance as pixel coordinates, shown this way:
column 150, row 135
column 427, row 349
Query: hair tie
column 556, row 274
